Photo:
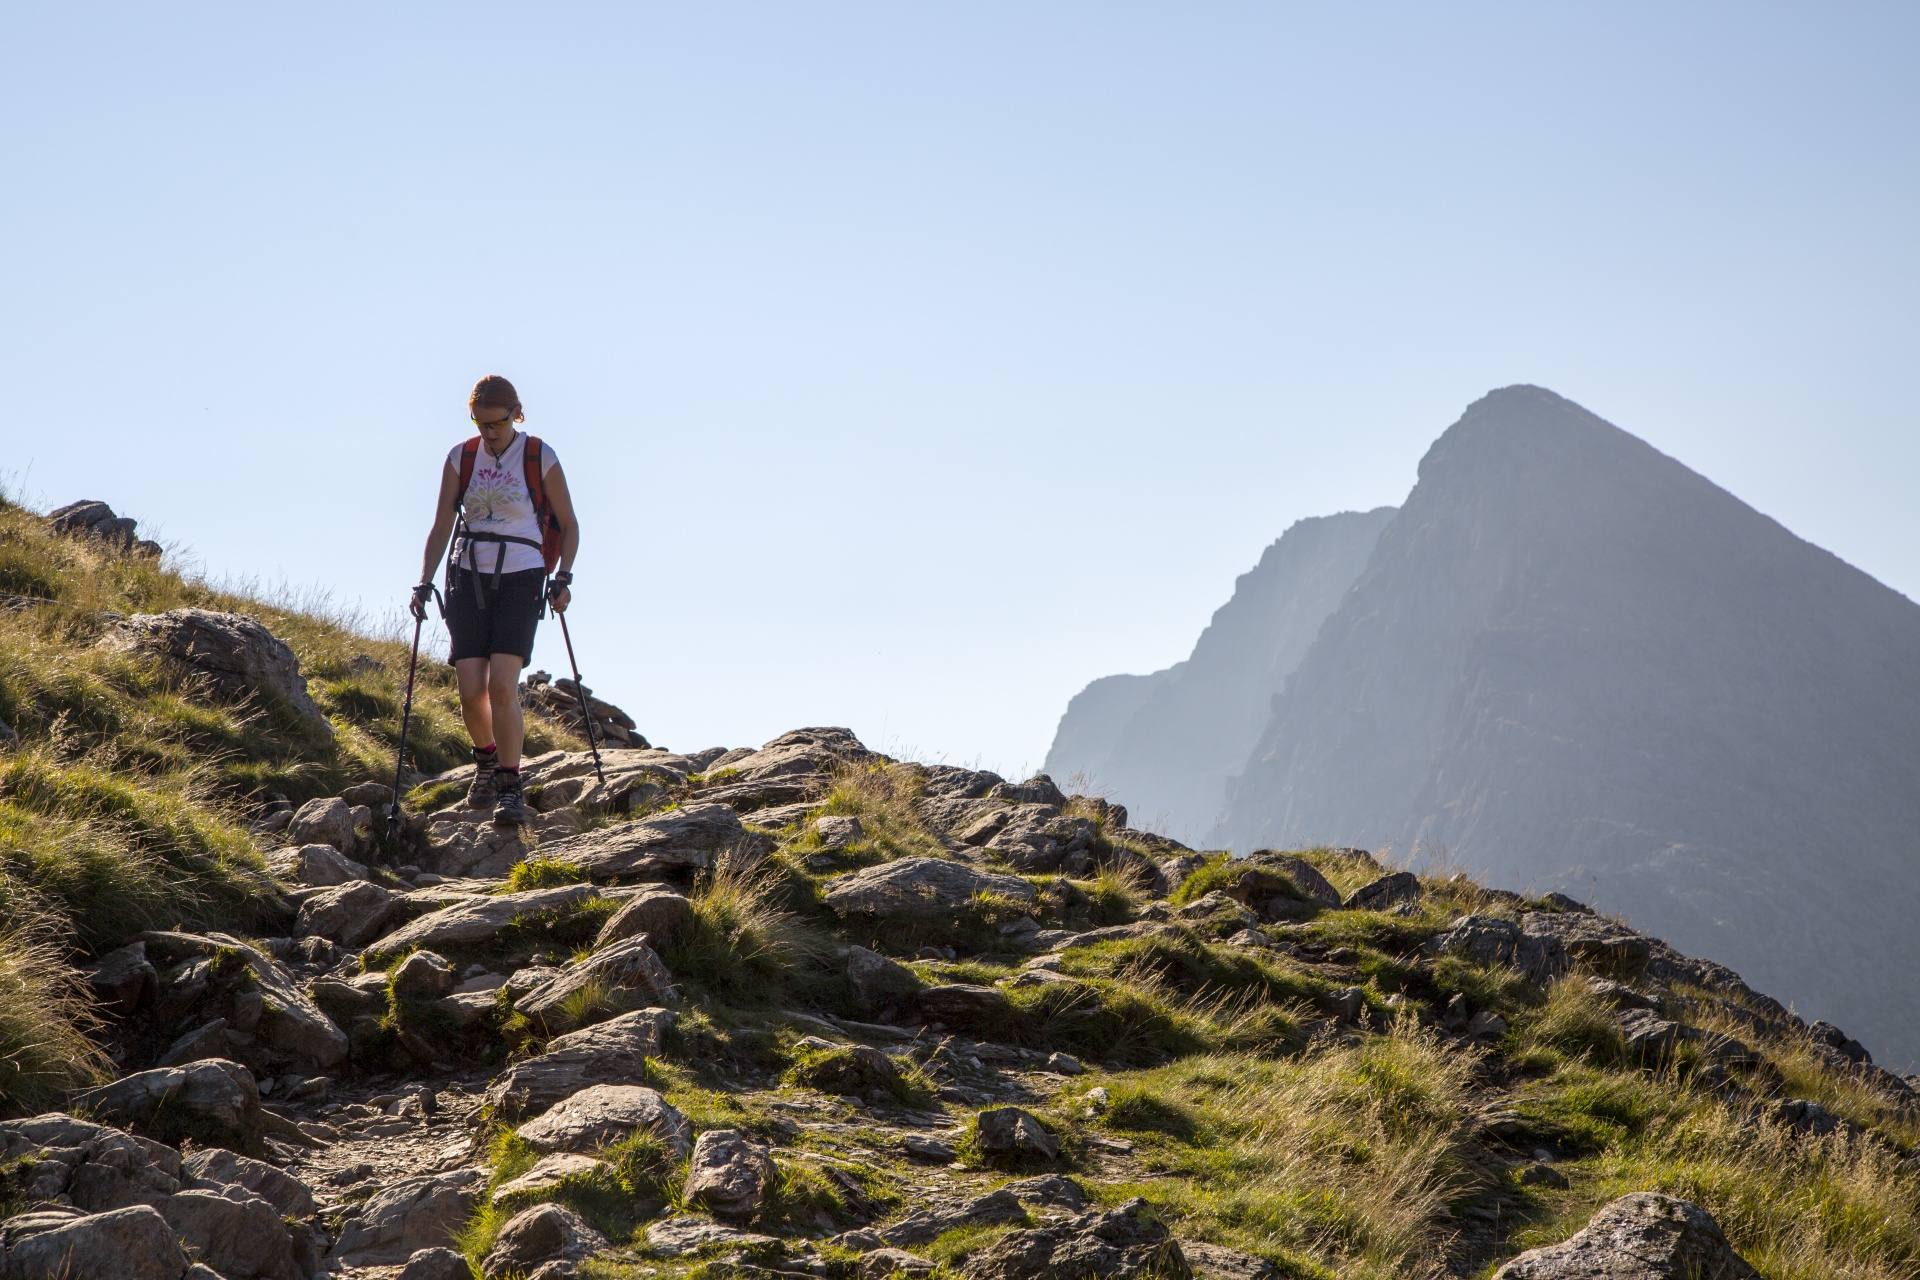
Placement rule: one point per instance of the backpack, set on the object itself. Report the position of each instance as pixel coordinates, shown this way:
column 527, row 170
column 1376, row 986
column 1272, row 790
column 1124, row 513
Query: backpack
column 549, row 523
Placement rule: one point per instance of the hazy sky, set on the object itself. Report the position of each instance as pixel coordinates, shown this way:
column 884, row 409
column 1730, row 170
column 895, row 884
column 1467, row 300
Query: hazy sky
column 914, row 364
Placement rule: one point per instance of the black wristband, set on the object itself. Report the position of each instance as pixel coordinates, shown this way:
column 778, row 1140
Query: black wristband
column 564, row 578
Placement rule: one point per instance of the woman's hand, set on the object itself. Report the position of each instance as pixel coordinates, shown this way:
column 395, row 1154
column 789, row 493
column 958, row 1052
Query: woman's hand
column 559, row 592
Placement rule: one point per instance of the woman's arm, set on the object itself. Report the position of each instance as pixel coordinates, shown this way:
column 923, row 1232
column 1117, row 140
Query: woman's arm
column 558, row 594
column 442, row 522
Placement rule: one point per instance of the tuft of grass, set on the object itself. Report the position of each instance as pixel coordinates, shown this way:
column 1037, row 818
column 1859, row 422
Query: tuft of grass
column 744, row 945
column 46, row 1019
column 542, row 873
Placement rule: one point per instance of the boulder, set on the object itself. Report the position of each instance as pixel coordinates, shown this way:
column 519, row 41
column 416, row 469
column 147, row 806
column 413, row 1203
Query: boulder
column 878, row 983
column 924, row 1226
column 91, row 1166
column 605, row 1113
column 919, row 888
column 547, row 1174
column 728, row 1173
column 436, row 1264
column 214, row 1101
column 1492, row 940
column 692, row 837
column 422, row 976
column 1015, row 1133
column 123, row 980
column 1217, row 1262
column 1268, row 875
column 653, row 914
column 539, row 1235
column 1125, row 1243
column 351, row 914
column 964, row 1004
column 1643, row 1236
column 209, row 1040
column 320, row 866
column 239, row 1235
column 626, row 976
column 287, row 1020
column 1039, row 789
column 686, row 1233
column 477, row 920
column 1050, row 1191
column 612, row 1052
column 837, row 831
column 1388, row 891
column 327, row 821
column 212, row 1167
column 418, row 1213
column 1612, row 949
column 134, row 1243
column 234, row 654
column 462, row 843
column 878, row 1264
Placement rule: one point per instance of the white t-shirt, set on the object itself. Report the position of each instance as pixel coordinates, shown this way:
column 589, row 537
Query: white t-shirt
column 498, row 502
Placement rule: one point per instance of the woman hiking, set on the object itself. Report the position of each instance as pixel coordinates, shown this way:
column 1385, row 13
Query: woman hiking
column 505, row 506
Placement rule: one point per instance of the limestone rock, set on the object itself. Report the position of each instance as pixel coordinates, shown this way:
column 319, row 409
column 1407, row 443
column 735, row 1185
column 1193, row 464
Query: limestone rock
column 436, row 1264
column 327, row 821
column 422, row 976
column 547, row 1173
column 923, row 888
column 241, row 1236
column 1643, row 1236
column 123, row 980
column 1125, row 1243
column 351, row 914
column 837, row 831
column 1217, row 1262
column 728, row 1173
column 655, row 914
column 963, row 1004
column 539, row 1235
column 463, row 842
column 1611, row 948
column 1039, row 789
column 92, row 1166
column 694, row 836
column 218, row 1167
column 878, row 1264
column 215, row 1101
column 605, row 1113
column 1491, row 940
column 478, row 920
column 232, row 652
column 628, row 974
column 134, row 1243
column 419, row 1213
column 923, row 1226
column 1012, row 1132
column 685, row 1233
column 878, row 983
column 612, row 1052
column 209, row 1040
column 1050, row 1191
column 1388, row 891
column 319, row 865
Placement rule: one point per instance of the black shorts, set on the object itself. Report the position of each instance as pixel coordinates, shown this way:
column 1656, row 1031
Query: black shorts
column 508, row 622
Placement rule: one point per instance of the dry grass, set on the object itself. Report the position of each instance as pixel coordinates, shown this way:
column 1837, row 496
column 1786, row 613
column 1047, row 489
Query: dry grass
column 45, row 1020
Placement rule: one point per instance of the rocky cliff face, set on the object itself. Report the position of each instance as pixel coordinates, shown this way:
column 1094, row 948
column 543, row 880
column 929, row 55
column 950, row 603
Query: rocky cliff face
column 1166, row 742
column 1573, row 662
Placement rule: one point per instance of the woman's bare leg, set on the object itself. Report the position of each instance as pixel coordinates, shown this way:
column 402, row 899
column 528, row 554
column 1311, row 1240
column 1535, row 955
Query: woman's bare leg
column 503, row 688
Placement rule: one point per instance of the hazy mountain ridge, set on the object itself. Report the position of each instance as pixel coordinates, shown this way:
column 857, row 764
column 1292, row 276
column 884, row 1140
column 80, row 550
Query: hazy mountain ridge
column 1571, row 662
column 1168, row 740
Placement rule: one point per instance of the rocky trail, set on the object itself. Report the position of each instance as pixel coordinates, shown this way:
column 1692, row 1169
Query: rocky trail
column 803, row 1010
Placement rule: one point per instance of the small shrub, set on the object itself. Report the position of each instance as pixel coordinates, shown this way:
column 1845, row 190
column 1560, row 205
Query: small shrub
column 742, row 944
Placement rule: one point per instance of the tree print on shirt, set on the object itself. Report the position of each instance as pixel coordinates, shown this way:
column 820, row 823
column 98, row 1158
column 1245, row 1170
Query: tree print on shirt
column 489, row 496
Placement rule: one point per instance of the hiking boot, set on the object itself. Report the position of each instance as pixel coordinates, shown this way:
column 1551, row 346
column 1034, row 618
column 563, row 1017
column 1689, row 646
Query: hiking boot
column 483, row 790
column 508, row 811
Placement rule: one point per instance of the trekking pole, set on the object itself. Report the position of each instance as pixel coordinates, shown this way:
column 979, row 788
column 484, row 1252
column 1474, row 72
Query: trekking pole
column 406, row 718
column 580, row 692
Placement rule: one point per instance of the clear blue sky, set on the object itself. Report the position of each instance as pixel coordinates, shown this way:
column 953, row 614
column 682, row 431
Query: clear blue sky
column 914, row 364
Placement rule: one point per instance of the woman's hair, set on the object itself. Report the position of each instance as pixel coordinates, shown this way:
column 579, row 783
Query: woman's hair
column 495, row 392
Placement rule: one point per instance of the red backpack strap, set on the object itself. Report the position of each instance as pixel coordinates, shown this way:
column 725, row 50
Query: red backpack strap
column 468, row 452
column 536, row 483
